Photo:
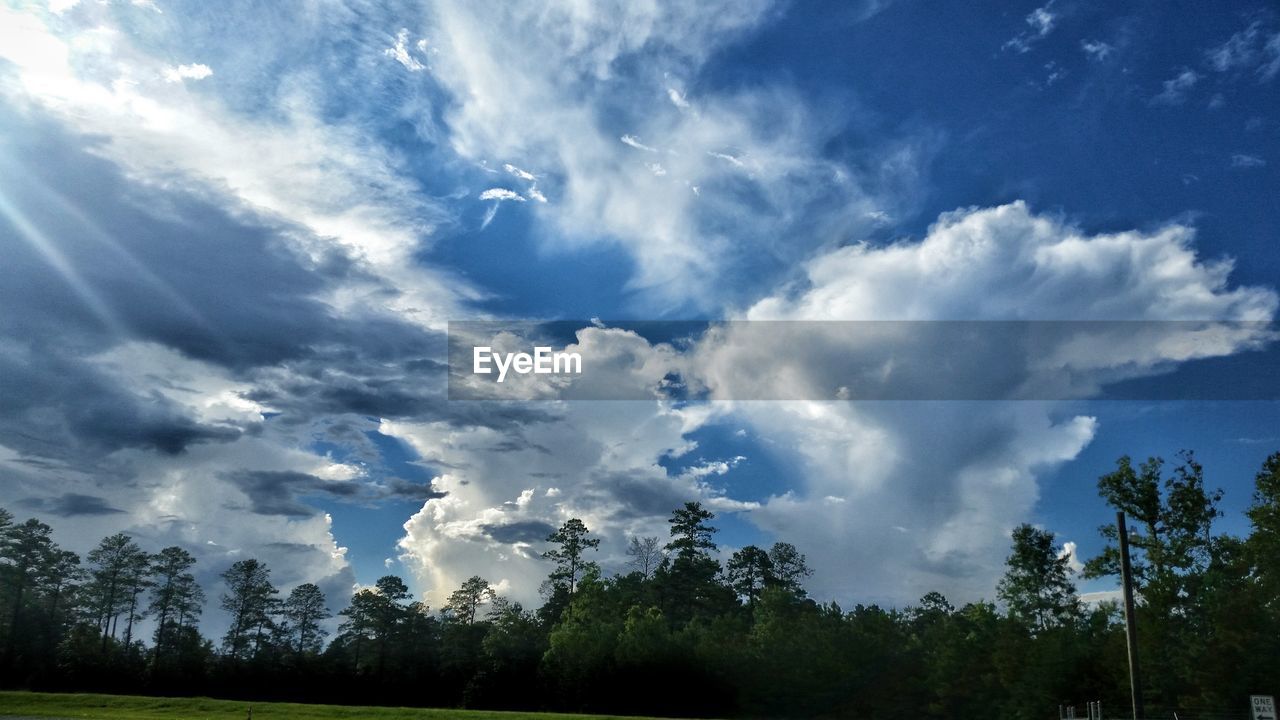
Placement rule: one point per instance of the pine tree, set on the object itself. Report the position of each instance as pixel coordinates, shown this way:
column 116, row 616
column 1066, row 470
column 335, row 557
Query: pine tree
column 572, row 542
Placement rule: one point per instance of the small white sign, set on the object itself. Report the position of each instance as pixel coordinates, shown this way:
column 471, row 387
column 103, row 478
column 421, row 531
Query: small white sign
column 1264, row 707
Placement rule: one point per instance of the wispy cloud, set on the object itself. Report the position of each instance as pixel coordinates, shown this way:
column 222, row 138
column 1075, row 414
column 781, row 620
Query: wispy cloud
column 1241, row 160
column 1175, row 89
column 634, row 142
column 1041, row 22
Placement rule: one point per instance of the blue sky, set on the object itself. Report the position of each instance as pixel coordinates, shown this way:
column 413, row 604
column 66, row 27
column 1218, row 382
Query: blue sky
column 233, row 237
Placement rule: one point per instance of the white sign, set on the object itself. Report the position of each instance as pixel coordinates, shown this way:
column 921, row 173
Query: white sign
column 1264, row 707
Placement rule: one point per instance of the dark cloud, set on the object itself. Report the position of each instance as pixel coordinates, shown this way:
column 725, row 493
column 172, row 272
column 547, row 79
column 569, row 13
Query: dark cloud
column 402, row 489
column 529, row 531
column 277, row 492
column 53, row 406
column 70, row 505
column 636, row 494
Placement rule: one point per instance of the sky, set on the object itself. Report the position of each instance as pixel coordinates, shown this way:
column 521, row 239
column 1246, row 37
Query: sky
column 233, row 237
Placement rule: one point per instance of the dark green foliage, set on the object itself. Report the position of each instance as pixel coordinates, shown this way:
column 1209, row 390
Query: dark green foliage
column 1037, row 588
column 680, row 635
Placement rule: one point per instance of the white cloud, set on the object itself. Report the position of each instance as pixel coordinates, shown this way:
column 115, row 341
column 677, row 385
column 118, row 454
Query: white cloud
column 1175, row 89
column 635, row 143
column 1073, row 561
column 501, row 194
column 1097, row 49
column 597, row 461
column 586, row 106
column 345, row 191
column 1241, row 160
column 187, row 72
column 1041, row 22
column 1256, row 48
column 522, row 174
column 400, row 52
column 677, row 98
column 58, row 7
column 976, row 463
column 1042, row 267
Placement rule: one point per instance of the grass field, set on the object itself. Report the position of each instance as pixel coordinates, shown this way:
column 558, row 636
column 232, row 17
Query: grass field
column 130, row 707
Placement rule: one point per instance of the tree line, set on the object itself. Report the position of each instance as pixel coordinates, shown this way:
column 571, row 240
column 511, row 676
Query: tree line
column 678, row 632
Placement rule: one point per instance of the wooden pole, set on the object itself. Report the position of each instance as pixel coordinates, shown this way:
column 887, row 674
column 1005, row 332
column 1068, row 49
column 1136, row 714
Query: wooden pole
column 1130, row 619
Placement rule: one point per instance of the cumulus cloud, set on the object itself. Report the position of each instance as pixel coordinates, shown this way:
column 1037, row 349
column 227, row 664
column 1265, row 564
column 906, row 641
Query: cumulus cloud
column 597, row 461
column 955, row 476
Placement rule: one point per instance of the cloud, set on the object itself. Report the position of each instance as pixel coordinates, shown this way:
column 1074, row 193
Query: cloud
column 584, row 114
column 1176, row 89
column 1241, row 160
column 276, row 492
column 1073, row 561
column 187, row 72
column 501, row 194
column 400, row 52
column 635, row 143
column 70, row 505
column 1041, row 22
column 1097, row 49
column 522, row 174
column 1256, row 48
column 344, row 189
column 957, row 475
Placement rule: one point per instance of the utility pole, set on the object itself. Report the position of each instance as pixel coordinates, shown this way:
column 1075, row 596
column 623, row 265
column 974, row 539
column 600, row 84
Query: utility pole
column 1130, row 620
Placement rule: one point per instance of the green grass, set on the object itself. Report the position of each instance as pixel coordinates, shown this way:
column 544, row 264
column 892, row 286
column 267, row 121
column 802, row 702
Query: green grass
column 131, row 707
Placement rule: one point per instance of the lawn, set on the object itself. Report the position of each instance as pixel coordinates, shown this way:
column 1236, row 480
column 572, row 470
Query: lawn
column 130, row 707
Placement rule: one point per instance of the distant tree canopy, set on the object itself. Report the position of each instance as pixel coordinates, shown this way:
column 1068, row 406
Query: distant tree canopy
column 679, row 632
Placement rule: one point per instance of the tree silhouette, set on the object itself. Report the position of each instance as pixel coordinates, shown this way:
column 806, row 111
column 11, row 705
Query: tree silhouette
column 304, row 610
column 249, row 600
column 572, row 542
column 1037, row 586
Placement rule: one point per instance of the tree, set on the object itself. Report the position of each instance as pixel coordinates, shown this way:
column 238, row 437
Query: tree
column 27, row 551
column 174, row 595
column 249, row 599
column 1037, row 587
column 1172, row 548
column 118, row 576
column 789, row 568
column 465, row 601
column 1264, row 516
column 304, row 610
column 691, row 532
column 572, row 542
column 645, row 554
column 750, row 571
column 688, row 578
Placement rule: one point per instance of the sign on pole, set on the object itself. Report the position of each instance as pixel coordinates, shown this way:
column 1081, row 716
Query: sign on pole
column 1264, row 707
